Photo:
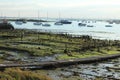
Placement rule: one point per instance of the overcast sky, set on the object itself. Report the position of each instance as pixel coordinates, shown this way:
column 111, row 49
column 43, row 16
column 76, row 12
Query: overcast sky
column 67, row 8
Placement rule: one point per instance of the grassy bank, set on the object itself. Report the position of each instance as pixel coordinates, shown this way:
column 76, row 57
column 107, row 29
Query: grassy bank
column 45, row 44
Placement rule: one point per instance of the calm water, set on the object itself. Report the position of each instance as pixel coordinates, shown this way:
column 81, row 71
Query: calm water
column 98, row 31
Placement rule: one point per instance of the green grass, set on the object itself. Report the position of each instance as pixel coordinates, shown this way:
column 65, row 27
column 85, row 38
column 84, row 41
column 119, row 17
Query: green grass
column 87, row 54
column 42, row 44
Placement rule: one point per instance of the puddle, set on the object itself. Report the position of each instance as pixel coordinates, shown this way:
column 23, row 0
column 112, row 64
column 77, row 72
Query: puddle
column 39, row 59
column 25, row 57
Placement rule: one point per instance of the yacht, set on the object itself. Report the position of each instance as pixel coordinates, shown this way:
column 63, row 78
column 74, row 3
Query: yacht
column 18, row 22
column 65, row 22
column 37, row 23
column 108, row 25
column 90, row 26
column 110, row 22
column 46, row 24
column 81, row 24
column 24, row 21
column 58, row 23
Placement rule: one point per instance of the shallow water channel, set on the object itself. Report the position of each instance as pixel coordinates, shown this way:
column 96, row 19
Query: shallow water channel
column 10, row 56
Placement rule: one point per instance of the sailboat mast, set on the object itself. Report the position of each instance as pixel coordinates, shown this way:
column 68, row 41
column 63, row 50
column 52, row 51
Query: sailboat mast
column 1, row 15
column 18, row 14
column 38, row 15
column 47, row 16
column 59, row 15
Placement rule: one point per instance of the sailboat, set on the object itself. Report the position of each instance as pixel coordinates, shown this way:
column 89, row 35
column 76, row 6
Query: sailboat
column 65, row 22
column 58, row 22
column 18, row 22
column 46, row 24
column 90, row 26
column 82, row 24
column 38, row 22
column 108, row 25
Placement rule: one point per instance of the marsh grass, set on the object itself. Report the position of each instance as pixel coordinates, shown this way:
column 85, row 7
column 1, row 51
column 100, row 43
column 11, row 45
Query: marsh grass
column 44, row 44
column 18, row 74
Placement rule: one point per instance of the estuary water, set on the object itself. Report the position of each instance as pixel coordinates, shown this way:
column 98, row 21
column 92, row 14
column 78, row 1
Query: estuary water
column 97, row 31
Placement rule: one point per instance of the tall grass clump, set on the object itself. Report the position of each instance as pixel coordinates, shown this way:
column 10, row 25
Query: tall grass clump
column 18, row 74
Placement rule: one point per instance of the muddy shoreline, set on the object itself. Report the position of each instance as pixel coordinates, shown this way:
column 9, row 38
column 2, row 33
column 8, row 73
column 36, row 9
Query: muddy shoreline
column 60, row 63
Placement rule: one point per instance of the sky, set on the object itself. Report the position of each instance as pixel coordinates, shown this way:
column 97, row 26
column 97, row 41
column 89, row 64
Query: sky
column 99, row 9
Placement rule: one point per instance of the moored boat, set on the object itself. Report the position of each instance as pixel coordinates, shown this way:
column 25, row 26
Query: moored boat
column 37, row 23
column 46, row 25
column 81, row 24
column 65, row 22
column 58, row 23
column 90, row 26
column 18, row 22
column 108, row 25
column 110, row 22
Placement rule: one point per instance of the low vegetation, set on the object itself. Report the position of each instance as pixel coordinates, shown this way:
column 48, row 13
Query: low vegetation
column 45, row 44
column 18, row 74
